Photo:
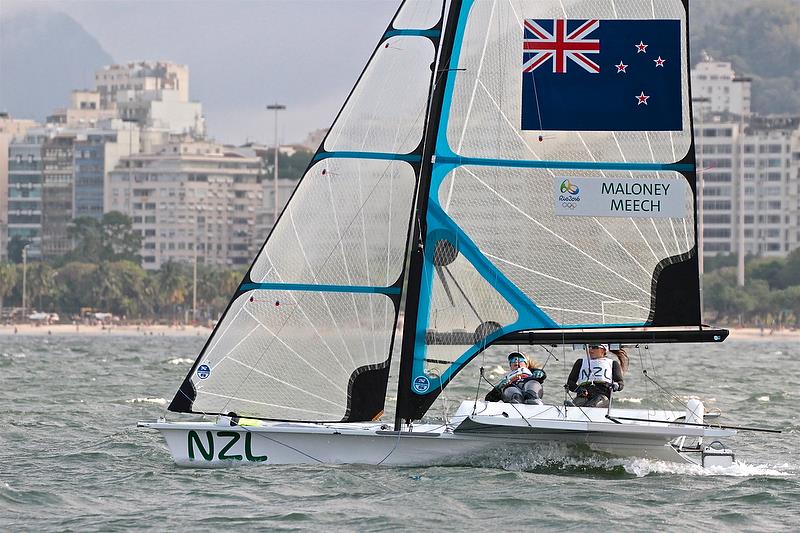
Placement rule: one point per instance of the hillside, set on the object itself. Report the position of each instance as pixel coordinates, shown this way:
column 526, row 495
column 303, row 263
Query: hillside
column 761, row 39
column 43, row 57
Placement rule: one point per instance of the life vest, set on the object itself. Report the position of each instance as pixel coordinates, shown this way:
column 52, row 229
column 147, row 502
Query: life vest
column 596, row 370
column 518, row 375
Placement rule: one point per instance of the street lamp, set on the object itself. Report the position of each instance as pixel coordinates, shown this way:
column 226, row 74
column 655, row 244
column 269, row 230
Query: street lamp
column 740, row 233
column 702, row 101
column 24, row 280
column 276, row 107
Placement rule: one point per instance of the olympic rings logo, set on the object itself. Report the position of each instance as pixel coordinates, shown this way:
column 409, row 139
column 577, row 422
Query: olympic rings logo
column 568, row 205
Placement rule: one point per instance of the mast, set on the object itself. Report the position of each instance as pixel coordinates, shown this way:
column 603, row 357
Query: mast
column 416, row 244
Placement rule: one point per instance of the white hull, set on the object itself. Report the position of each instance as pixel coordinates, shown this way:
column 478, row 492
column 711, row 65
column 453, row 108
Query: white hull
column 494, row 426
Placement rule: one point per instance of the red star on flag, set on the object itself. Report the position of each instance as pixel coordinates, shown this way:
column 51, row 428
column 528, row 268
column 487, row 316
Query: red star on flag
column 641, row 47
column 621, row 67
column 659, row 62
column 642, row 99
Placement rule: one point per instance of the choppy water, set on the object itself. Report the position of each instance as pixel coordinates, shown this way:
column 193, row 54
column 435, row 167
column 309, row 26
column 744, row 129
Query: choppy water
column 72, row 458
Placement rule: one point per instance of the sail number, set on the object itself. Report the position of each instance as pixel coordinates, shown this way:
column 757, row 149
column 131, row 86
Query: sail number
column 224, row 442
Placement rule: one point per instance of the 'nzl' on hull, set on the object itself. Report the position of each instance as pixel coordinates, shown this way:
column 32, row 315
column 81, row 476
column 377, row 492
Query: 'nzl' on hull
column 495, row 427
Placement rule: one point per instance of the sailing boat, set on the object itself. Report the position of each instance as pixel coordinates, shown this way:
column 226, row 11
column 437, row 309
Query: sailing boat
column 504, row 172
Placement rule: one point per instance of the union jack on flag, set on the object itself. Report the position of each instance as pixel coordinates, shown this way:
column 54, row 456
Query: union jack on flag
column 541, row 45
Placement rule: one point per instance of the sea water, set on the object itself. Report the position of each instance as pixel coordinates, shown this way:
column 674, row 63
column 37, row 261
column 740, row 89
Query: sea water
column 71, row 457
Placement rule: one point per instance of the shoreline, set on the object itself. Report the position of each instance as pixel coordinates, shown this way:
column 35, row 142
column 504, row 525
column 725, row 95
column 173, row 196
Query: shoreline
column 44, row 330
column 28, row 330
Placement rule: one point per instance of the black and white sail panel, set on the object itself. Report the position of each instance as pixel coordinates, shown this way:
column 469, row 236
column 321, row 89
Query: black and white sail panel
column 308, row 336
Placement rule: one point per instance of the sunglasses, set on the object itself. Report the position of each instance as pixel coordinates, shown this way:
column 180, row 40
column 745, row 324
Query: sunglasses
column 516, row 360
column 594, row 346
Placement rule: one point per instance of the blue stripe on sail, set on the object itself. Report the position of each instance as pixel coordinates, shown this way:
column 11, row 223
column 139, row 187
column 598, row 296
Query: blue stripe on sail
column 411, row 158
column 309, row 287
column 582, row 165
column 423, row 33
column 529, row 315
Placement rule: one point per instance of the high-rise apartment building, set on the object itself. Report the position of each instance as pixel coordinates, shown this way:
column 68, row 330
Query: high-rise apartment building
column 192, row 201
column 717, row 89
column 750, row 175
column 57, row 174
column 10, row 128
column 115, row 81
column 155, row 95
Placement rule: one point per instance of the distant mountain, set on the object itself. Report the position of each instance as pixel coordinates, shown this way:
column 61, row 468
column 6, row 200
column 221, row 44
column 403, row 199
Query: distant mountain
column 761, row 39
column 43, row 57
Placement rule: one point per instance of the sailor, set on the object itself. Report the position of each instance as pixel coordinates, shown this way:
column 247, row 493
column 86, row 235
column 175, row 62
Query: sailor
column 593, row 378
column 523, row 382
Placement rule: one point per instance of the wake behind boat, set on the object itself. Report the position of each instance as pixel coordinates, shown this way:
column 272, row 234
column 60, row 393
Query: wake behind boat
column 518, row 172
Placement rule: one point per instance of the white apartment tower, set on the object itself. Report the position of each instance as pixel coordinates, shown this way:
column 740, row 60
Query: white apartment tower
column 717, row 89
column 192, row 201
column 155, row 95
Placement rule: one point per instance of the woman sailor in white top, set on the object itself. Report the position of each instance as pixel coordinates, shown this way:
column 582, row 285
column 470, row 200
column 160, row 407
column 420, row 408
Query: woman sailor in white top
column 595, row 376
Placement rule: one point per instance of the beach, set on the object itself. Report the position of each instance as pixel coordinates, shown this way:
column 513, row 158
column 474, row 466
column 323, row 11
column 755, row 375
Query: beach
column 785, row 334
column 127, row 330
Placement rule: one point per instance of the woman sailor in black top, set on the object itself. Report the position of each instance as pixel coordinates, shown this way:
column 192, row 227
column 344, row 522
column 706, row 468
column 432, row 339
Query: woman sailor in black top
column 595, row 376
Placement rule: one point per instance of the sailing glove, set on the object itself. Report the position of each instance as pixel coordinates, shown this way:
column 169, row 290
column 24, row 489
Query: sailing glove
column 615, row 386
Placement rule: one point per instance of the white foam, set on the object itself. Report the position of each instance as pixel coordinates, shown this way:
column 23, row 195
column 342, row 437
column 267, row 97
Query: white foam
column 180, row 361
column 157, row 401
column 644, row 467
column 628, row 400
column 763, row 398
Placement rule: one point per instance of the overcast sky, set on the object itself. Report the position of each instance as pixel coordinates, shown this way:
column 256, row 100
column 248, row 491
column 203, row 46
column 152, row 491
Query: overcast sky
column 242, row 54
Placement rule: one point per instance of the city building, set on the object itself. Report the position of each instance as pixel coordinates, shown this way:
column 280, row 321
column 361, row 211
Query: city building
column 155, row 95
column 142, row 76
column 717, row 89
column 97, row 152
column 192, row 200
column 57, row 174
column 750, row 174
column 10, row 128
column 25, row 182
column 84, row 111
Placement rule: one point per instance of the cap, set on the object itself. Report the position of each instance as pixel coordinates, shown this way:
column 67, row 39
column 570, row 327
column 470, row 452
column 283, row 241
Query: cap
column 513, row 355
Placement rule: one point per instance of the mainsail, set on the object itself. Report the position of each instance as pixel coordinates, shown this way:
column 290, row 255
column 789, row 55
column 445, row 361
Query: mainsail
column 308, row 334
column 558, row 186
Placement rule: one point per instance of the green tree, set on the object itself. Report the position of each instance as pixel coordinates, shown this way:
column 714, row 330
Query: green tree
column 171, row 284
column 790, row 273
column 40, row 284
column 110, row 239
column 76, row 282
column 120, row 239
column 767, row 269
column 8, row 279
column 291, row 166
column 128, row 281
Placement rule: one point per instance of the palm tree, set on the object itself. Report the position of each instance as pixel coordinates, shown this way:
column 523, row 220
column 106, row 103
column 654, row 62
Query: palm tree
column 172, row 285
column 8, row 279
column 40, row 282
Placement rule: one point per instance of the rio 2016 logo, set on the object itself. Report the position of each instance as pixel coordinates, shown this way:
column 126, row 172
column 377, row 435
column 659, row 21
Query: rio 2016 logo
column 569, row 194
column 569, row 188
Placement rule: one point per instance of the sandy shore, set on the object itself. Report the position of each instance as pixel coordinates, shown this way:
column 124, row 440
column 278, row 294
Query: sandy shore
column 129, row 330
column 202, row 331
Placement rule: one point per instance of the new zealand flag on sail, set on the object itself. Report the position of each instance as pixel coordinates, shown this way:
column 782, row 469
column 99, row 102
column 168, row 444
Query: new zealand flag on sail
column 597, row 75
